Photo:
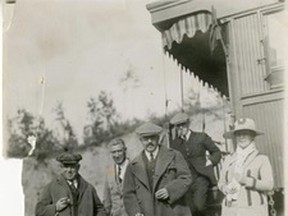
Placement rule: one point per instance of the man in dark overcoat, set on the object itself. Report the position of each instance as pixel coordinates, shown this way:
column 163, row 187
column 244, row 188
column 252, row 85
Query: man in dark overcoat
column 157, row 180
column 194, row 146
column 69, row 194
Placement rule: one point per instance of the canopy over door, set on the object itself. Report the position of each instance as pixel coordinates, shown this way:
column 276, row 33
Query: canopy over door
column 189, row 34
column 191, row 40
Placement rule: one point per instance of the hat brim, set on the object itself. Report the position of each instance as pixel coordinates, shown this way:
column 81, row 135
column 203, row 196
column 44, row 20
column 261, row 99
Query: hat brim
column 231, row 134
column 182, row 121
column 69, row 162
column 148, row 134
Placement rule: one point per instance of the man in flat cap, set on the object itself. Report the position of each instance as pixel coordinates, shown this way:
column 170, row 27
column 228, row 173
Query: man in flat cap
column 193, row 146
column 69, row 194
column 157, row 179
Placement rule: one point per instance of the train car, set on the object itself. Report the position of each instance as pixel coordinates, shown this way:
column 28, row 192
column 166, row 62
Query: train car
column 238, row 48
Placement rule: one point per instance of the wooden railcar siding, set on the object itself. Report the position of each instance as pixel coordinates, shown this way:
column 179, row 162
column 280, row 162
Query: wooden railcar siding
column 251, row 94
column 250, row 53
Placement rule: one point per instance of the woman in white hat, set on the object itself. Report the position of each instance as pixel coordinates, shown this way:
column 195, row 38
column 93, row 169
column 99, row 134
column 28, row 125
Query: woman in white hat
column 246, row 175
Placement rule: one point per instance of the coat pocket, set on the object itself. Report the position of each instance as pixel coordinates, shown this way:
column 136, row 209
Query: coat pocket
column 171, row 172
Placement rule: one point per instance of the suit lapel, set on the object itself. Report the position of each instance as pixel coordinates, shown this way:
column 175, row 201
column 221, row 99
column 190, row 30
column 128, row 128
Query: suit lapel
column 191, row 142
column 139, row 170
column 61, row 181
column 82, row 185
column 116, row 180
column 163, row 160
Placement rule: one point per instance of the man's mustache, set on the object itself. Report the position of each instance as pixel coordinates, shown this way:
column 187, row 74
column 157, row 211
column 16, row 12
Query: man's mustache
column 150, row 144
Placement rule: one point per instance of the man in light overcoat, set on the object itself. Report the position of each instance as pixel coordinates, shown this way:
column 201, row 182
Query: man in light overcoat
column 157, row 180
column 113, row 189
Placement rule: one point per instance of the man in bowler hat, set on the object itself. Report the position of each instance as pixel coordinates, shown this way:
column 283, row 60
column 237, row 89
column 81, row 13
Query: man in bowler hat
column 193, row 146
column 69, row 194
column 157, row 179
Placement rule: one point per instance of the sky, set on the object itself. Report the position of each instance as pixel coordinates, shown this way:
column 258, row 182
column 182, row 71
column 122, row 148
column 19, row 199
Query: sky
column 79, row 48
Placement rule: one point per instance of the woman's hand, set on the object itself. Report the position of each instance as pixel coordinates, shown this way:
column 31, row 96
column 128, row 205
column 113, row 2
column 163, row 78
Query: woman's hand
column 228, row 190
column 231, row 188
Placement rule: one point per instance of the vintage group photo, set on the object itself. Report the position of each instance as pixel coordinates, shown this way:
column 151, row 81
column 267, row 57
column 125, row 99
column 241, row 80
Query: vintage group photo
column 145, row 107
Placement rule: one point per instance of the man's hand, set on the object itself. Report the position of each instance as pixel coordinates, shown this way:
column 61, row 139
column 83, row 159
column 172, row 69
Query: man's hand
column 208, row 162
column 162, row 194
column 139, row 214
column 32, row 141
column 62, row 203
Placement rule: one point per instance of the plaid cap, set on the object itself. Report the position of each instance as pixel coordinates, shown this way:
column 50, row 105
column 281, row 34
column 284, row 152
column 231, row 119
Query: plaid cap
column 179, row 118
column 149, row 129
column 69, row 158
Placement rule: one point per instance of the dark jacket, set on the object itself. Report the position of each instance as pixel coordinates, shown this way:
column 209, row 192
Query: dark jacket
column 171, row 172
column 89, row 203
column 194, row 151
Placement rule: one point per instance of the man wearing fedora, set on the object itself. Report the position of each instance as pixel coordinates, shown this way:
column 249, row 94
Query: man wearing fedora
column 193, row 146
column 246, row 175
column 157, row 180
column 69, row 194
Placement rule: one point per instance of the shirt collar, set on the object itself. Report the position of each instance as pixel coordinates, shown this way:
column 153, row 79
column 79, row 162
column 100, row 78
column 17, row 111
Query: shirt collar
column 155, row 153
column 124, row 164
column 74, row 182
column 187, row 135
column 123, row 167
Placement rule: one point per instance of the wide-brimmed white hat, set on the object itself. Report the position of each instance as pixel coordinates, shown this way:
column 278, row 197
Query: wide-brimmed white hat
column 243, row 124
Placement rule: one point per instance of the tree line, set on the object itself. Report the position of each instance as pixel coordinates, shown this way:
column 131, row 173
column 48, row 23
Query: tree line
column 104, row 123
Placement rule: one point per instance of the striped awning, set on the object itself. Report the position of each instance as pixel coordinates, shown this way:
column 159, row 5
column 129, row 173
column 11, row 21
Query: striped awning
column 200, row 21
column 193, row 41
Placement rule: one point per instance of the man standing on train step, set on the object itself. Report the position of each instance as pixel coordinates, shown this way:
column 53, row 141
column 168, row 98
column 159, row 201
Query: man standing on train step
column 193, row 146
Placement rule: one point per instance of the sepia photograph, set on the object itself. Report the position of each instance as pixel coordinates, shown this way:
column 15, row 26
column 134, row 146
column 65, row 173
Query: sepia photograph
column 143, row 107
